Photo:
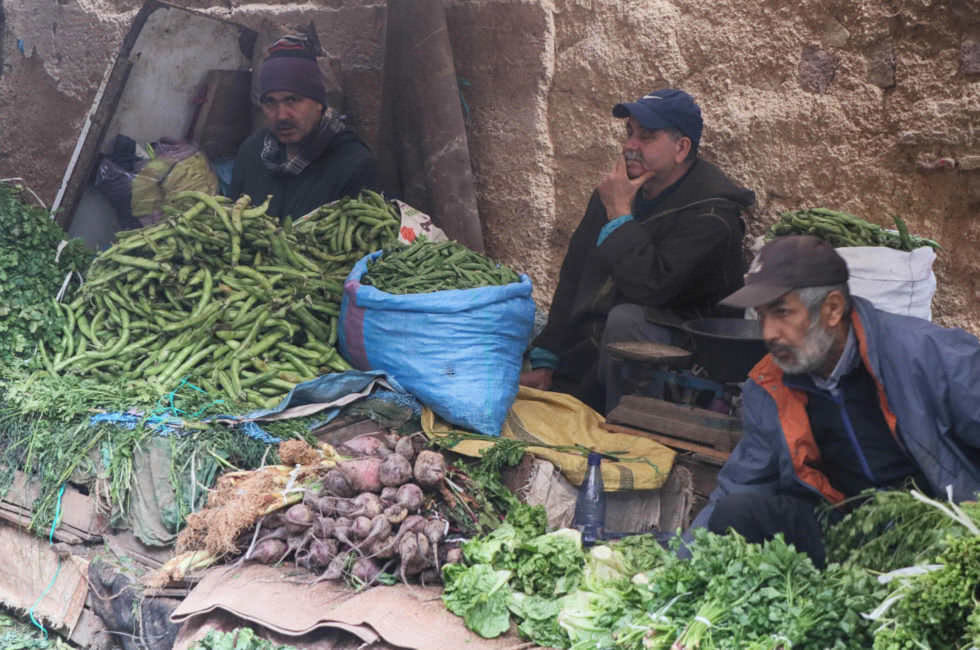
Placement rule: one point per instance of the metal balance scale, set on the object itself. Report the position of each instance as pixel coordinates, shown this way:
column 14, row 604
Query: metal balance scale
column 700, row 385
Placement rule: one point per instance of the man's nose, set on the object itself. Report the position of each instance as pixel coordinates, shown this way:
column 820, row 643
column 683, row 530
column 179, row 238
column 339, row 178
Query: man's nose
column 770, row 331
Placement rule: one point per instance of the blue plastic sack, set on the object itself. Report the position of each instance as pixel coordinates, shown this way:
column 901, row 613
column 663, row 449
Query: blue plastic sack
column 458, row 351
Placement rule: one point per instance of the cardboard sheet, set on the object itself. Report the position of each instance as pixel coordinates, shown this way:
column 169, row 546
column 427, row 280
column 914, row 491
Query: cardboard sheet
column 28, row 567
column 283, row 600
column 80, row 519
column 334, row 638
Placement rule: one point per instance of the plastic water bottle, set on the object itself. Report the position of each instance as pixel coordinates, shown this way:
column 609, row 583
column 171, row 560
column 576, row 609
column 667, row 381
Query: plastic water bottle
column 590, row 507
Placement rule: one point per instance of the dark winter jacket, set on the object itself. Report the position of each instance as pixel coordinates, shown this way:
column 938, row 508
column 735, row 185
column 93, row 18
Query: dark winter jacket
column 345, row 167
column 681, row 254
column 928, row 390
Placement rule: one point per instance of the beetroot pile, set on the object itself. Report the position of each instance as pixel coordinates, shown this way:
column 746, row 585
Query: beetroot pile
column 372, row 515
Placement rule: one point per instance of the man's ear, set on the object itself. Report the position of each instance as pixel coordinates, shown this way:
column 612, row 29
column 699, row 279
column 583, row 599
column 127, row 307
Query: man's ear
column 833, row 308
column 683, row 147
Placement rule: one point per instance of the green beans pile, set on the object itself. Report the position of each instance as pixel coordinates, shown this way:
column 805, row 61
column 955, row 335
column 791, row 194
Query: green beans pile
column 224, row 294
column 841, row 229
column 426, row 266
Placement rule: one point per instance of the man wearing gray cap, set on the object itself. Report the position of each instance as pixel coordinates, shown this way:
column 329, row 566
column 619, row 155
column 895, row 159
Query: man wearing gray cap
column 660, row 243
column 848, row 398
column 306, row 156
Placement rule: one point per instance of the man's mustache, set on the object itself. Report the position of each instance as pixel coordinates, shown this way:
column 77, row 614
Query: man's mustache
column 633, row 156
column 285, row 124
column 777, row 348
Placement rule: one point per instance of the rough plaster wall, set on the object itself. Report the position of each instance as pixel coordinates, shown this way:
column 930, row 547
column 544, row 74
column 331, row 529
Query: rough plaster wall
column 46, row 90
column 53, row 58
column 808, row 102
column 506, row 99
column 820, row 102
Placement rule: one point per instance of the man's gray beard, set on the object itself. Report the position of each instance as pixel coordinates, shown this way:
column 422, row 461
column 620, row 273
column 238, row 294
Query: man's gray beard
column 812, row 355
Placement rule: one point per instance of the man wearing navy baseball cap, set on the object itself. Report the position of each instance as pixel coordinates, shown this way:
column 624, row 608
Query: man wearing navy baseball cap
column 306, row 156
column 660, row 243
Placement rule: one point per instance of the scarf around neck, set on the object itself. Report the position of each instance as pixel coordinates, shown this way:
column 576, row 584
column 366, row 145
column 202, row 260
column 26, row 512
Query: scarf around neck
column 311, row 147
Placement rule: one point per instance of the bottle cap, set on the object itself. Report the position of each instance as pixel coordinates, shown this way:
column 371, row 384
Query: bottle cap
column 594, row 457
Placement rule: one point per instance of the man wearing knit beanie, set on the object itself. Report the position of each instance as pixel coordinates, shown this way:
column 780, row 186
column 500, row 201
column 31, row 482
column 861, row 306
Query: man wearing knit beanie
column 305, row 156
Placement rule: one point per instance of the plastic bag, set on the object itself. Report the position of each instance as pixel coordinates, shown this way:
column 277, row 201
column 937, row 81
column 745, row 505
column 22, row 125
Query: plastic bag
column 895, row 281
column 458, row 351
column 175, row 167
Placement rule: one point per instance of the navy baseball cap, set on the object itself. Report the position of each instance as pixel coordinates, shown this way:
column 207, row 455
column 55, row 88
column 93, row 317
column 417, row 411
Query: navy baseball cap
column 667, row 108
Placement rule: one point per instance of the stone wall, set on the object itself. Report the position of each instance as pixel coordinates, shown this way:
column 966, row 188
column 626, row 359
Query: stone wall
column 870, row 107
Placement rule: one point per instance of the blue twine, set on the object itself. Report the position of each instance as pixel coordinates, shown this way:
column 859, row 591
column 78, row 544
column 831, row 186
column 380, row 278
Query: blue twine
column 161, row 424
column 54, row 525
column 166, row 418
column 252, row 430
column 172, row 405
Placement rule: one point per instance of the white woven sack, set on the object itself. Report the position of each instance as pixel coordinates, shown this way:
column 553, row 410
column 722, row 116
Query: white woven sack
column 895, row 281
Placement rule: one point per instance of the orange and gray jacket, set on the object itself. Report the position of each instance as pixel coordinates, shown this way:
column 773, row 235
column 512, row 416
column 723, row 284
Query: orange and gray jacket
column 928, row 381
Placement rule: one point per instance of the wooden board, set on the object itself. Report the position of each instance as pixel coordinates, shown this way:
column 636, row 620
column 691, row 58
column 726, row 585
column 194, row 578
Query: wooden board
column 224, row 119
column 709, row 428
column 701, row 451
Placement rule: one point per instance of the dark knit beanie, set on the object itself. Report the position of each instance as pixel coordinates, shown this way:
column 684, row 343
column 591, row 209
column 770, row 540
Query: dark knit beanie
column 292, row 67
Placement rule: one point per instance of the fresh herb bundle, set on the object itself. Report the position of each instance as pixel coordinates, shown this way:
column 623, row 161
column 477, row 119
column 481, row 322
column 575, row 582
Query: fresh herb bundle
column 31, row 272
column 45, row 432
column 891, row 529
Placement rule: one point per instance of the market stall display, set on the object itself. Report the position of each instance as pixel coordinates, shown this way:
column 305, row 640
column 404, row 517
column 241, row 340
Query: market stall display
column 635, row 594
column 452, row 329
column 223, row 293
column 375, row 509
column 221, row 308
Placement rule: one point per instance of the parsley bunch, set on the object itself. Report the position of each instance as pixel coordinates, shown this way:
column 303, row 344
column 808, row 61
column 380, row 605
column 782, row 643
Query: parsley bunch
column 30, row 277
column 938, row 609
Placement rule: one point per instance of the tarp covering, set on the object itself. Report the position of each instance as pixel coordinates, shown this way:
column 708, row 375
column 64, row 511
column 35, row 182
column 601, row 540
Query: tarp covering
column 553, row 418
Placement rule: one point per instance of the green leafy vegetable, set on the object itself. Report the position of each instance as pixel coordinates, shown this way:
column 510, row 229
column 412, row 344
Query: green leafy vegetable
column 550, row 564
column 480, row 595
column 891, row 529
column 539, row 619
column 31, row 273
column 242, row 638
column 935, row 605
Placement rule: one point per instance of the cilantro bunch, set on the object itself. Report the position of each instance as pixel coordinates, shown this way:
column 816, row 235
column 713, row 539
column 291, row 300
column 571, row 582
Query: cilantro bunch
column 30, row 277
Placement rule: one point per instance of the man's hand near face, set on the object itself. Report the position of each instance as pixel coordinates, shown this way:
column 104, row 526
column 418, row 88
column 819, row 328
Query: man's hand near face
column 617, row 190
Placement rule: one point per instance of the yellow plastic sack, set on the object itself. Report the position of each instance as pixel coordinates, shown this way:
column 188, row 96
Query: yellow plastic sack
column 167, row 174
column 559, row 419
